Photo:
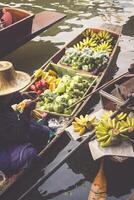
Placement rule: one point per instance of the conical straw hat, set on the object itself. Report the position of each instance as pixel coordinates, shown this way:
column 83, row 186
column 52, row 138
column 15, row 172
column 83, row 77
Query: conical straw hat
column 11, row 80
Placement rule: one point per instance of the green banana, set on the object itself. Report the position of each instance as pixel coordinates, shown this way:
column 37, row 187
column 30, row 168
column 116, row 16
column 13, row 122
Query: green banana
column 106, row 143
column 103, row 138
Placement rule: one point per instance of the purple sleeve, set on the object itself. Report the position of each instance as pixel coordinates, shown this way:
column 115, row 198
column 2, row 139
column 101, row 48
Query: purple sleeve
column 13, row 129
column 17, row 98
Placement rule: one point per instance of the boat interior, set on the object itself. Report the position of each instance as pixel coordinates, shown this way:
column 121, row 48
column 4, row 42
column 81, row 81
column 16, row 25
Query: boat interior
column 17, row 14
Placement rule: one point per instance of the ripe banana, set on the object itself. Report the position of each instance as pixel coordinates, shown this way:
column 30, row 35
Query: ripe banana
column 106, row 143
column 83, row 123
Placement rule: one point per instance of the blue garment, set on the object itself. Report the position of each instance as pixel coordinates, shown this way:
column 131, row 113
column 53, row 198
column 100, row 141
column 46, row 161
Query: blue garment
column 20, row 138
column 17, row 157
column 14, row 130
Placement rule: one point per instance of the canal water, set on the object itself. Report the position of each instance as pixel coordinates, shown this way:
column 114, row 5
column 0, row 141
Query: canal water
column 73, row 180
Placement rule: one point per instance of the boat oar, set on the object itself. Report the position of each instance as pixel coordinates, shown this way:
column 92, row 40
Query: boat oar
column 55, row 168
column 130, row 71
column 99, row 186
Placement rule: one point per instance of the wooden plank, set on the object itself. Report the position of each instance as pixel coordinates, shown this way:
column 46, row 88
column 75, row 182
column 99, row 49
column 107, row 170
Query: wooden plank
column 112, row 27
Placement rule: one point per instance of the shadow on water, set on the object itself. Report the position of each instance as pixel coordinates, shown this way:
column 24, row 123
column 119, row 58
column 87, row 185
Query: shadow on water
column 128, row 28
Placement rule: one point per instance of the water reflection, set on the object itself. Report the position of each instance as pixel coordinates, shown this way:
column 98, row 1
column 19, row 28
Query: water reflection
column 80, row 14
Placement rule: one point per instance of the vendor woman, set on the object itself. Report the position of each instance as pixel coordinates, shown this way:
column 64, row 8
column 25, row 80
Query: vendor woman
column 19, row 137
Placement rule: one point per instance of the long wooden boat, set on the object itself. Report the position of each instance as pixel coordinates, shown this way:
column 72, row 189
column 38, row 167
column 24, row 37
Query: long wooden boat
column 25, row 26
column 115, row 31
column 50, row 154
column 52, row 64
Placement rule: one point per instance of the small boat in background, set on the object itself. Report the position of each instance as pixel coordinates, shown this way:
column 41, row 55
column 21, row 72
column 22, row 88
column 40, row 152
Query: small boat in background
column 19, row 26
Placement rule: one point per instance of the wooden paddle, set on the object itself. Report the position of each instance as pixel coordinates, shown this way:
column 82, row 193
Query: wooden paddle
column 99, row 186
column 130, row 70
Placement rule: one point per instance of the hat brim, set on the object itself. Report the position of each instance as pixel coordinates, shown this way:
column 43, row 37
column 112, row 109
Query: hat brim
column 22, row 79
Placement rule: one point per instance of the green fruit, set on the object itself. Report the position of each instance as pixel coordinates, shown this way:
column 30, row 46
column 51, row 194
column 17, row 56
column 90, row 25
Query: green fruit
column 106, row 143
column 71, row 101
column 67, row 111
column 102, row 138
column 61, row 88
column 59, row 108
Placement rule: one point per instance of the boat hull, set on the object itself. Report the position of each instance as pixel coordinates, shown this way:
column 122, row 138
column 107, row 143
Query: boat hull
column 25, row 27
column 55, row 59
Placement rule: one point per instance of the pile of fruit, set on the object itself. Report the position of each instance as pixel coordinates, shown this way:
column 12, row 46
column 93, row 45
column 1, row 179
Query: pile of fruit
column 85, row 59
column 108, row 131
column 112, row 131
column 91, row 53
column 82, row 124
column 48, row 80
column 68, row 91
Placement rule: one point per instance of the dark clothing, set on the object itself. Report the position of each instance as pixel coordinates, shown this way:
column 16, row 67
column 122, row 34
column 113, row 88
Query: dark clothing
column 20, row 129
column 13, row 129
column 20, row 137
column 17, row 156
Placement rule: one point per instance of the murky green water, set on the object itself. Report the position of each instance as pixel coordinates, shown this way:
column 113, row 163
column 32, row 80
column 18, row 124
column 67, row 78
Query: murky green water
column 72, row 180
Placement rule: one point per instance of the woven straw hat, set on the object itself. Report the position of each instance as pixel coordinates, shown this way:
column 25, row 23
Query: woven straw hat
column 11, row 80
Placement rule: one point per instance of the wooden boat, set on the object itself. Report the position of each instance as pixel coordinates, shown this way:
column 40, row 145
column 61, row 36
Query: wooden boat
column 112, row 97
column 116, row 31
column 116, row 92
column 25, row 26
column 99, row 186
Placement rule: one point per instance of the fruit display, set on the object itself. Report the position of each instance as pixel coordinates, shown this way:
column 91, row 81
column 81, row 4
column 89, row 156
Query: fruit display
column 91, row 53
column 112, row 131
column 108, row 131
column 48, row 80
column 82, row 124
column 68, row 91
column 85, row 59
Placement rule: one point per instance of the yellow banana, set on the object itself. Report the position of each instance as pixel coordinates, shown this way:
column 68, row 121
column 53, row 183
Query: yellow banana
column 114, row 123
column 74, row 123
column 106, row 143
column 121, row 116
column 38, row 73
column 123, row 123
column 129, row 121
column 100, row 133
column 82, row 131
column 77, row 129
column 109, row 121
column 117, row 125
column 102, row 138
column 79, row 121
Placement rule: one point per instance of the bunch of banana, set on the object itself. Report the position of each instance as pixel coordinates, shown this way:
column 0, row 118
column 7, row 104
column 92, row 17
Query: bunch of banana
column 82, row 124
column 36, row 114
column 104, row 36
column 103, row 47
column 128, row 124
column 79, row 45
column 90, row 33
column 86, row 42
column 38, row 73
column 20, row 107
column 108, row 131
